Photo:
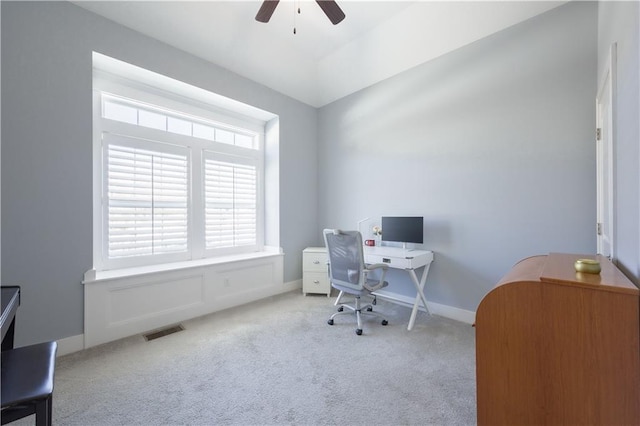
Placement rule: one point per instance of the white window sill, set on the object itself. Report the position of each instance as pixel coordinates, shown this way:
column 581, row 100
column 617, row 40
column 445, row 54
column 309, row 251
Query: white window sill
column 93, row 276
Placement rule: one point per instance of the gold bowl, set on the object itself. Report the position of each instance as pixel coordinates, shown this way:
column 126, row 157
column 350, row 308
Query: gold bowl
column 588, row 266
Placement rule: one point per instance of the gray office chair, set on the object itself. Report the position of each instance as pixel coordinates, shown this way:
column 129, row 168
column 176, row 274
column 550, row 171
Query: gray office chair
column 349, row 274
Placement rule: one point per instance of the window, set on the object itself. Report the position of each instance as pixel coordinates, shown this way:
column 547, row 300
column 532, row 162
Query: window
column 230, row 203
column 177, row 179
column 147, row 202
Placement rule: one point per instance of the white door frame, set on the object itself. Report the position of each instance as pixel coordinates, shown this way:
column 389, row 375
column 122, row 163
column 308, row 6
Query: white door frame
column 605, row 161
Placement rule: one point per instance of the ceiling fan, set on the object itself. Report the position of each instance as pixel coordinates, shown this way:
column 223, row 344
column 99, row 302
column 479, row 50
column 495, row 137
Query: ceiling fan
column 329, row 7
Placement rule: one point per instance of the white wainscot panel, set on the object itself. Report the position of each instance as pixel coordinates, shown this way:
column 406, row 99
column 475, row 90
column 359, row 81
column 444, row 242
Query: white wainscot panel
column 119, row 307
column 244, row 283
column 152, row 299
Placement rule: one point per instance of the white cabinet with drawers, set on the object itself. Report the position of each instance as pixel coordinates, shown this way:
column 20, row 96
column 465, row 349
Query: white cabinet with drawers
column 315, row 277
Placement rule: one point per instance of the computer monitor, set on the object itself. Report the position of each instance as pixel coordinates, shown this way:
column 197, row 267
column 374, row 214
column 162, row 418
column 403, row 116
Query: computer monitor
column 403, row 229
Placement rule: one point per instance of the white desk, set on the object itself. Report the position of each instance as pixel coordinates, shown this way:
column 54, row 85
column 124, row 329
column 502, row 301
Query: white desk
column 409, row 260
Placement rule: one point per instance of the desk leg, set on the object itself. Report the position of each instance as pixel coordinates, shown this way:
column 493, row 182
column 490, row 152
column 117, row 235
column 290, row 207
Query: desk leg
column 420, row 296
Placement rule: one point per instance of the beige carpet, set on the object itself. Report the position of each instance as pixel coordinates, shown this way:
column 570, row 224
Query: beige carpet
column 277, row 362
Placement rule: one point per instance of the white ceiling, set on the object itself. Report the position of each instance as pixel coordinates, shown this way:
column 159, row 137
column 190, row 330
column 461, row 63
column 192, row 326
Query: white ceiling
column 321, row 62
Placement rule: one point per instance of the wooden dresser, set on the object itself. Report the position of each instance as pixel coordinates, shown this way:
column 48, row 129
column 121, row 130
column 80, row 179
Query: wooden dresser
column 558, row 347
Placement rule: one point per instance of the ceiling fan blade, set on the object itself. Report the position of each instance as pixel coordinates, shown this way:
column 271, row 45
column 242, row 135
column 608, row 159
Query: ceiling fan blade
column 266, row 10
column 332, row 10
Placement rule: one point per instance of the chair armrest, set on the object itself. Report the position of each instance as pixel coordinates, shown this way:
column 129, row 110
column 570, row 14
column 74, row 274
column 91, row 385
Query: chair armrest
column 371, row 268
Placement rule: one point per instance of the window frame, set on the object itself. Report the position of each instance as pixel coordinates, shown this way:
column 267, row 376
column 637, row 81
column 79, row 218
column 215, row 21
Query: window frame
column 118, row 86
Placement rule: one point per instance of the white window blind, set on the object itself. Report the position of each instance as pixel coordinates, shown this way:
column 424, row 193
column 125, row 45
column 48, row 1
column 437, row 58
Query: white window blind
column 147, row 200
column 231, row 209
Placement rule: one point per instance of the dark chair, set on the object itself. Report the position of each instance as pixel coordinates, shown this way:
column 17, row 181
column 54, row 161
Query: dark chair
column 349, row 274
column 27, row 382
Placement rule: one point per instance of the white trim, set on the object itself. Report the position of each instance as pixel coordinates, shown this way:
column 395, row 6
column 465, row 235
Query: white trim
column 293, row 285
column 125, row 92
column 451, row 312
column 609, row 76
column 93, row 276
column 70, row 345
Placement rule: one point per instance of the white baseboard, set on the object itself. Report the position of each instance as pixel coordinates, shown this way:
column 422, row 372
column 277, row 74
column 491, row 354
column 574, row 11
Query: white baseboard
column 70, row 345
column 462, row 315
column 292, row 285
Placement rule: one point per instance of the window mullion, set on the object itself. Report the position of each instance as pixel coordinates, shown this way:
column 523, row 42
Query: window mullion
column 197, row 204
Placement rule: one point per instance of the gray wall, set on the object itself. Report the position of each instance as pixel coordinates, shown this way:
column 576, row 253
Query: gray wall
column 493, row 144
column 46, row 155
column 618, row 23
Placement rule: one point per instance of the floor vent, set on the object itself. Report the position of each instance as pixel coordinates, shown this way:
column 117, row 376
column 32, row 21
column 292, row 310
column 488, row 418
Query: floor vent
column 163, row 332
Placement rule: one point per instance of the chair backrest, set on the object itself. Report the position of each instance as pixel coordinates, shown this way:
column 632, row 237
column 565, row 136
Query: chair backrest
column 346, row 258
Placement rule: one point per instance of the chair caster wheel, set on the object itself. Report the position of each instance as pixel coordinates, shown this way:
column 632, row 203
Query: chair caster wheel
column 359, row 331
column 340, row 309
column 369, row 309
column 330, row 322
column 385, row 322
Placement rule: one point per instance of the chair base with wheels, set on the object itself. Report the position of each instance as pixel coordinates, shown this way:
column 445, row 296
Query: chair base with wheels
column 357, row 308
column 27, row 382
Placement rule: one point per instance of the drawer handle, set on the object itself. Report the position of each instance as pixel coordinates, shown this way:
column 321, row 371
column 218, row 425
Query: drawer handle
column 316, row 282
column 316, row 262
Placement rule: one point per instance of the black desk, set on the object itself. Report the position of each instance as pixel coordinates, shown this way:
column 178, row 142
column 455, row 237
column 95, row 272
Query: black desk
column 10, row 302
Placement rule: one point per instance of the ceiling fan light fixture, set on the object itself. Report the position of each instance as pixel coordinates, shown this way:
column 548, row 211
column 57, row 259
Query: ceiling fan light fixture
column 266, row 10
column 329, row 7
column 332, row 10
